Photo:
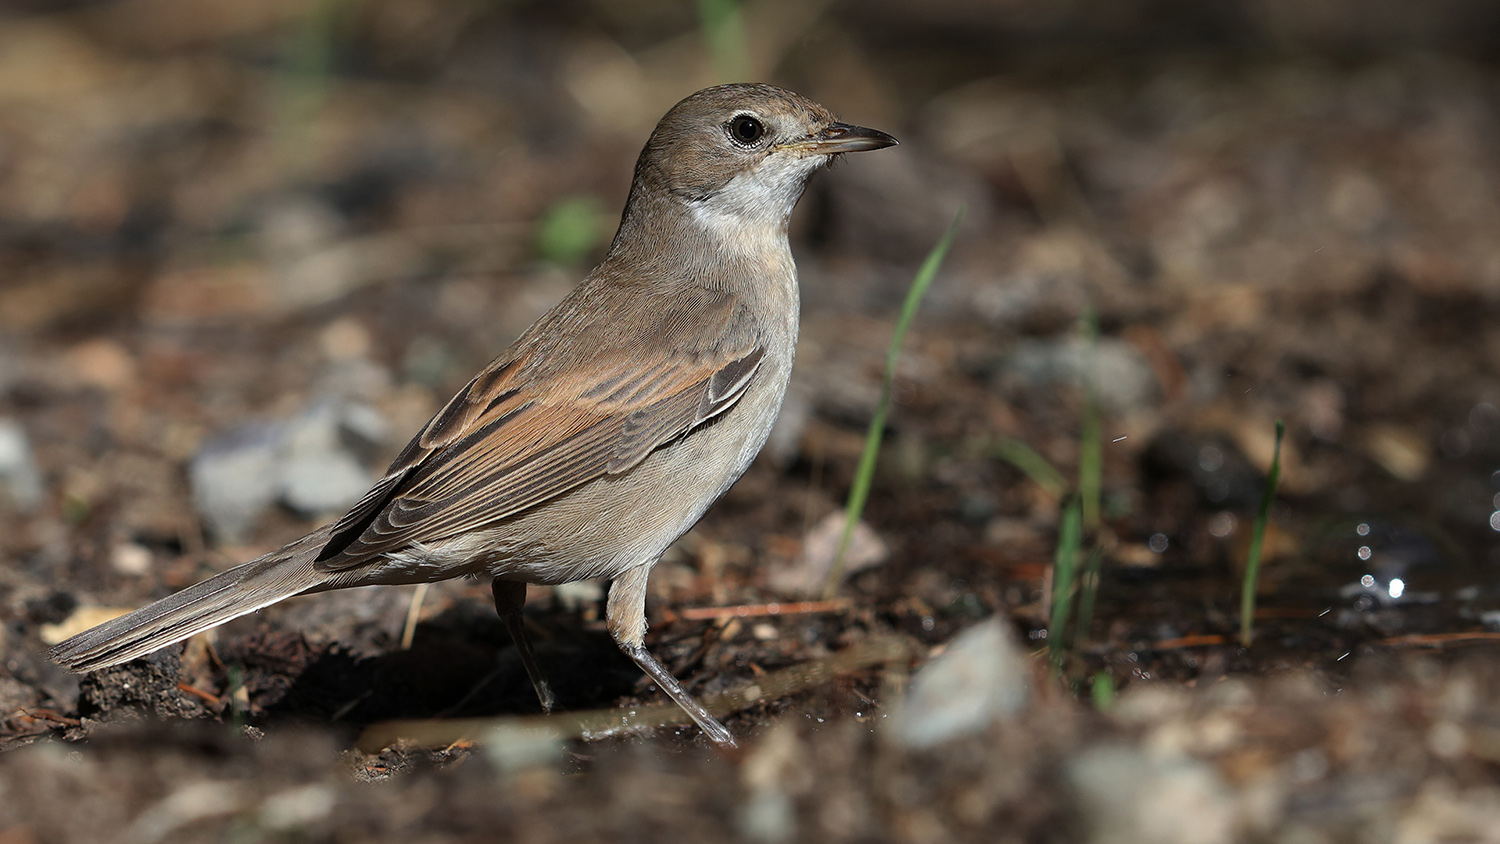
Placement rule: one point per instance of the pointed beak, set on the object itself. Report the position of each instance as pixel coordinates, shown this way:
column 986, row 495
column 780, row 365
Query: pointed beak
column 841, row 137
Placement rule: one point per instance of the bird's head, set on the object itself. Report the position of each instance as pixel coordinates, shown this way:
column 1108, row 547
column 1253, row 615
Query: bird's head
column 740, row 155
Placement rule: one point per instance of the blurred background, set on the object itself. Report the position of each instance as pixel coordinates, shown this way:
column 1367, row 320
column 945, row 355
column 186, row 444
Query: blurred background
column 246, row 249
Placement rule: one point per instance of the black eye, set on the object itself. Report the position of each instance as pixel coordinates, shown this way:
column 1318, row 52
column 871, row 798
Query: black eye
column 745, row 129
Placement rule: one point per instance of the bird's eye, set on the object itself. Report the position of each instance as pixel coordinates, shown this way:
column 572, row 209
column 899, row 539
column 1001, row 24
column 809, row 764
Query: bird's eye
column 746, row 130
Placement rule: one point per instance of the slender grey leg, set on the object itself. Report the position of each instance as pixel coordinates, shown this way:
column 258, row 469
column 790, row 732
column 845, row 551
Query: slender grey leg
column 626, row 616
column 510, row 596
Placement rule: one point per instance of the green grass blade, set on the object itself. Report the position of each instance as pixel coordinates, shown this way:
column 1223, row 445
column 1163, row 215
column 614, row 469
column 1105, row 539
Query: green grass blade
column 306, row 76
column 1064, row 567
column 723, row 26
column 1088, row 591
column 1103, row 691
column 571, row 229
column 1257, row 536
column 1035, row 466
column 865, row 473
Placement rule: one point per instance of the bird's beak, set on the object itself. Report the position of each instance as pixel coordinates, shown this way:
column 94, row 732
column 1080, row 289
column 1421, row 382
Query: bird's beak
column 841, row 137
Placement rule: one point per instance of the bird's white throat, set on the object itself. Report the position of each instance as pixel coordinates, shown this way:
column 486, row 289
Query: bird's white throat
column 749, row 214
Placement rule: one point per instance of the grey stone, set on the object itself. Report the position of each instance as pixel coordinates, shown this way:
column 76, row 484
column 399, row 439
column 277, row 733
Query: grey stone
column 234, row 479
column 1123, row 376
column 982, row 677
column 20, row 482
column 322, row 483
column 313, row 464
column 1130, row 796
column 318, row 469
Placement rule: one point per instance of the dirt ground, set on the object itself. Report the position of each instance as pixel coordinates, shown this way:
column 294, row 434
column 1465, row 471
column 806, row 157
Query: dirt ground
column 247, row 249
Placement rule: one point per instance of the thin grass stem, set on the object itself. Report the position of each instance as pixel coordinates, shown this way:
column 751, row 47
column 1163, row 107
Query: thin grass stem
column 1103, row 691
column 1035, row 466
column 1088, row 592
column 1257, row 537
column 723, row 25
column 1064, row 570
column 864, row 475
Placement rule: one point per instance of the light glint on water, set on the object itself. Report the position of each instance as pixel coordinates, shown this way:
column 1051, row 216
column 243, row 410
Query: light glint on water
column 1221, row 524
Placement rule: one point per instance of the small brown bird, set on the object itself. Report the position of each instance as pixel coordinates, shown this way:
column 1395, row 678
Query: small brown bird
column 608, row 428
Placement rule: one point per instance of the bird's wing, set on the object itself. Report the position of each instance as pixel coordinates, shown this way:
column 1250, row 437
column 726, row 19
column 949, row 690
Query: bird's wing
column 526, row 430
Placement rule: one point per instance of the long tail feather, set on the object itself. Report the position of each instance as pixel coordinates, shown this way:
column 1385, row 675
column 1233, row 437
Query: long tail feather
column 239, row 591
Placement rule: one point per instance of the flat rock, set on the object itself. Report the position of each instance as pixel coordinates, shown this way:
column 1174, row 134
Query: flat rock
column 980, row 678
column 20, row 482
column 313, row 464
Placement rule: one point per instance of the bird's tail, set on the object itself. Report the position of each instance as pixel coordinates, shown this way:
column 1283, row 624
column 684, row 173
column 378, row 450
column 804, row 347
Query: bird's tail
column 239, row 591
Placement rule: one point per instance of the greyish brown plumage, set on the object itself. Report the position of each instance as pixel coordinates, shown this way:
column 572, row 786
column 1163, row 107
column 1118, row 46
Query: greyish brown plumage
column 608, row 428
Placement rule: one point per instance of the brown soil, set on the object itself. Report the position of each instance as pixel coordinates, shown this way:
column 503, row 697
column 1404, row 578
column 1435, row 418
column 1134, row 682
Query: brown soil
column 209, row 218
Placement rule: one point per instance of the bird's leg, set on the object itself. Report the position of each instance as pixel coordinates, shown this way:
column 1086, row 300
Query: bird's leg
column 626, row 617
column 510, row 596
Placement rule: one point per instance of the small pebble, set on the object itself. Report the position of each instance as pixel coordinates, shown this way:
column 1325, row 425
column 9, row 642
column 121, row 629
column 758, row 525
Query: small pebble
column 131, row 558
column 20, row 482
column 1130, row 796
column 1120, row 373
column 312, row 464
column 982, row 676
column 234, row 479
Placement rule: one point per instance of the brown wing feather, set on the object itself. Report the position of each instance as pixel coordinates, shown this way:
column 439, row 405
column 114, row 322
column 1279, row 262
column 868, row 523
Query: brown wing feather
column 450, row 424
column 511, row 440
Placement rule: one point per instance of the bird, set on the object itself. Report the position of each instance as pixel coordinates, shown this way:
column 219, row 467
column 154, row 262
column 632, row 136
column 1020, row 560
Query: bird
column 607, row 429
